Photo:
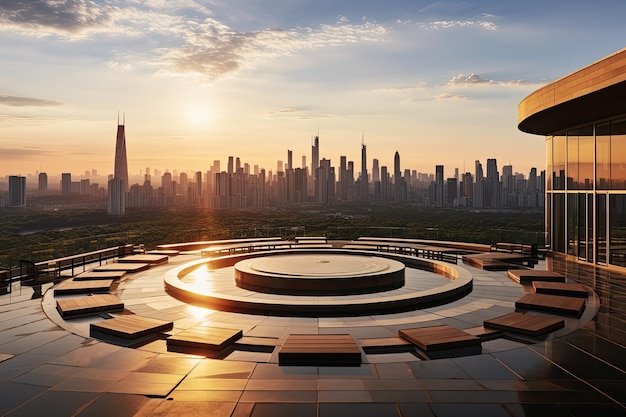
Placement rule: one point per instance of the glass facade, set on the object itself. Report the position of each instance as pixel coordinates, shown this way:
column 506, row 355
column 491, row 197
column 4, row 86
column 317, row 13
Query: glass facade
column 586, row 192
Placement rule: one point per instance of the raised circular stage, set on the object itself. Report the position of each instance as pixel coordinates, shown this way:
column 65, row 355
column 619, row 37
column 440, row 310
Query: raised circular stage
column 211, row 282
column 319, row 274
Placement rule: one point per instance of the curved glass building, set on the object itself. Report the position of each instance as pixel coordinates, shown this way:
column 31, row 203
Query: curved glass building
column 583, row 117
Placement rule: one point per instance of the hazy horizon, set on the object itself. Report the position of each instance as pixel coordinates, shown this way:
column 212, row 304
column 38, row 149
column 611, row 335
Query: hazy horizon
column 198, row 81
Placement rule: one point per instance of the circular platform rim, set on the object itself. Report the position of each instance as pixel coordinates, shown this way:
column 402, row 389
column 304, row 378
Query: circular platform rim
column 375, row 303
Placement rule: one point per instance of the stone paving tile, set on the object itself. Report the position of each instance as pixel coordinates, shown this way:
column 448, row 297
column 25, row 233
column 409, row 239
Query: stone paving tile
column 55, row 403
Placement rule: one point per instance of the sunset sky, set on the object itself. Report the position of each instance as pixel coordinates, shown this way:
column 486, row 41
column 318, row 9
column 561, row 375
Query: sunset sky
column 201, row 80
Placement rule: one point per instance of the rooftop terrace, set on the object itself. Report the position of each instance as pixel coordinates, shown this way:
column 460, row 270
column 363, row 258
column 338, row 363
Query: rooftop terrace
column 55, row 366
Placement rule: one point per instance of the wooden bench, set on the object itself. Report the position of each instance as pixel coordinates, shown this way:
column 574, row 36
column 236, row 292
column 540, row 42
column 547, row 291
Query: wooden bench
column 204, row 338
column 528, row 276
column 319, row 350
column 71, row 286
column 95, row 275
column 526, row 324
column 128, row 268
column 557, row 304
column 438, row 337
column 130, row 326
column 86, row 305
column 569, row 289
column 145, row 259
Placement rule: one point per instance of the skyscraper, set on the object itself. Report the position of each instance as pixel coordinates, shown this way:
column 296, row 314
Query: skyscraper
column 315, row 155
column 118, row 185
column 364, row 178
column 43, row 183
column 17, row 191
column 121, row 166
column 66, row 184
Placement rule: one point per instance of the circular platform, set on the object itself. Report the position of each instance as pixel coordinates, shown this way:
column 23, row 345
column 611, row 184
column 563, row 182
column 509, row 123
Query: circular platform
column 319, row 274
column 211, row 283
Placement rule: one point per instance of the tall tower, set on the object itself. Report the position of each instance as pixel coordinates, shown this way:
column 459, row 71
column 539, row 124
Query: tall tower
column 315, row 155
column 118, row 185
column 364, row 178
column 121, row 166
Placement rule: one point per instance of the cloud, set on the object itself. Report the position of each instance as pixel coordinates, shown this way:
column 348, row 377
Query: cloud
column 215, row 51
column 399, row 90
column 26, row 152
column 450, row 24
column 476, row 80
column 14, row 101
column 64, row 16
column 448, row 96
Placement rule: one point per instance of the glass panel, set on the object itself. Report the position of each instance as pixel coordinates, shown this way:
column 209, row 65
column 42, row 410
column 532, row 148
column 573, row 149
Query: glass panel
column 548, row 219
column 558, row 163
column 603, row 156
column 549, row 163
column 558, row 219
column 572, row 224
column 589, row 228
column 618, row 155
column 585, row 158
column 601, row 227
column 572, row 161
column 617, row 229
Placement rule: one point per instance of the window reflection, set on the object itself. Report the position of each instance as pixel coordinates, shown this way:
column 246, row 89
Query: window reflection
column 603, row 156
column 618, row 155
column 558, row 163
column 617, row 229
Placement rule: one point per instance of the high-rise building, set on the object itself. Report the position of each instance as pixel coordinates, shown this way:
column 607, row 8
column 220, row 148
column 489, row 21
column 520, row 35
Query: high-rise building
column 364, row 192
column 315, row 156
column 121, row 165
column 17, row 191
column 439, row 186
column 117, row 197
column 66, row 184
column 42, row 185
column 289, row 159
column 118, row 186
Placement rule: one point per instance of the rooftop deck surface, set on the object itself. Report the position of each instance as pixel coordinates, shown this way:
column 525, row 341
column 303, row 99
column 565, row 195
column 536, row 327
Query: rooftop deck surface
column 50, row 366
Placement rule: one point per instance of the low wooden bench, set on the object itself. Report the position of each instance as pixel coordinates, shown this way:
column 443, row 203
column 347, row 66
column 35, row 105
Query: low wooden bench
column 526, row 324
column 438, row 337
column 204, row 338
column 129, row 268
column 528, row 276
column 557, row 304
column 319, row 350
column 130, row 326
column 71, row 286
column 569, row 289
column 145, row 259
column 95, row 275
column 86, row 305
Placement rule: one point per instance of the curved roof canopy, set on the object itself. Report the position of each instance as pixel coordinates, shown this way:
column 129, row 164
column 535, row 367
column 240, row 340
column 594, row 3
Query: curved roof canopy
column 595, row 92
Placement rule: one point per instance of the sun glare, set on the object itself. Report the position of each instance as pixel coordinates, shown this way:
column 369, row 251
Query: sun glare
column 198, row 115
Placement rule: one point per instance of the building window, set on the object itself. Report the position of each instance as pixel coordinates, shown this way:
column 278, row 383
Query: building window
column 618, row 154
column 558, row 162
column 617, row 229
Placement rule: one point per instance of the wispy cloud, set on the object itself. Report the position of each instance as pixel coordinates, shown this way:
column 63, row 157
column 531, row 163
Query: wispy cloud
column 15, row 101
column 448, row 96
column 476, row 80
column 450, row 24
column 214, row 50
column 69, row 17
column 400, row 90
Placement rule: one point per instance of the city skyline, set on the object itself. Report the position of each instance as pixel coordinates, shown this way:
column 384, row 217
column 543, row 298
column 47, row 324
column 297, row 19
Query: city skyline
column 198, row 81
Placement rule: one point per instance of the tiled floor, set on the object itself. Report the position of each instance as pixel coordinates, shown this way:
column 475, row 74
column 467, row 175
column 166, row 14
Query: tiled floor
column 50, row 366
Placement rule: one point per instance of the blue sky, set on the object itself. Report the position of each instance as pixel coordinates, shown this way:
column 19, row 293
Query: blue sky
column 201, row 80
